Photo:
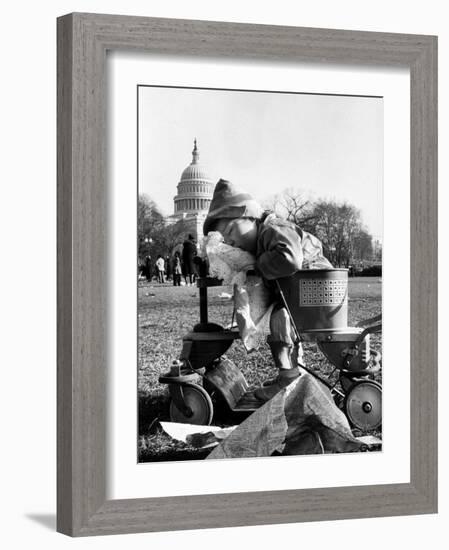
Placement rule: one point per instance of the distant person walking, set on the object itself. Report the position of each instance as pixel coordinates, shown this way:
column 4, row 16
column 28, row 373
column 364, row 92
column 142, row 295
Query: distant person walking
column 148, row 269
column 189, row 252
column 177, row 269
column 140, row 269
column 168, row 267
column 160, row 268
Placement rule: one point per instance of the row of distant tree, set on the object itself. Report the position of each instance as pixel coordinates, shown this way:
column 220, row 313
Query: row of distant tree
column 339, row 226
column 155, row 237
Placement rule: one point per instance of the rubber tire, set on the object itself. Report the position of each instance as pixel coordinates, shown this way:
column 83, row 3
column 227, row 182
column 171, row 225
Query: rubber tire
column 347, row 406
column 199, row 401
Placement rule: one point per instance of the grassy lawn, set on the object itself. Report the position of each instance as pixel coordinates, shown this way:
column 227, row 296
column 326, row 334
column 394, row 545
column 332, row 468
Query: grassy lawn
column 167, row 312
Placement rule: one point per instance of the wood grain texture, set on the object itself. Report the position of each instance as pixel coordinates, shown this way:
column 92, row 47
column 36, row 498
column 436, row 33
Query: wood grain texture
column 64, row 277
column 423, row 274
column 83, row 40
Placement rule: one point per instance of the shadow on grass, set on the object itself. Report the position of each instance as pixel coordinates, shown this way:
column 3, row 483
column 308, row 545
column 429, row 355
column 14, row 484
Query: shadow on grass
column 153, row 408
column 155, row 445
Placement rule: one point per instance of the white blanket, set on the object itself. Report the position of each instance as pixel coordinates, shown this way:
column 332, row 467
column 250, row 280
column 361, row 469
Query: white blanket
column 251, row 298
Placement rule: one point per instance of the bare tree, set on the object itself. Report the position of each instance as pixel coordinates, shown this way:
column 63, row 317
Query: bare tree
column 377, row 250
column 363, row 246
column 149, row 222
column 339, row 227
column 155, row 236
column 293, row 205
column 169, row 236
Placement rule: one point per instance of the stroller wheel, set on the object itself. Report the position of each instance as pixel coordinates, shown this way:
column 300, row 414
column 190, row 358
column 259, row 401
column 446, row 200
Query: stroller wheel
column 199, row 405
column 363, row 405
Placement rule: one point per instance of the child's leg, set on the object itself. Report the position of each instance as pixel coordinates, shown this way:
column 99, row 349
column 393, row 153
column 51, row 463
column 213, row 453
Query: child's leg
column 281, row 353
column 282, row 345
column 297, row 356
column 282, row 330
column 280, row 339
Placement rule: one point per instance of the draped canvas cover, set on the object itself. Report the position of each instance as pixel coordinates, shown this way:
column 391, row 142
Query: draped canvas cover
column 301, row 419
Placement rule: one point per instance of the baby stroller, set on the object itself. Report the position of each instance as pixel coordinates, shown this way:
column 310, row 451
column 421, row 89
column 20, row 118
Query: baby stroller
column 317, row 303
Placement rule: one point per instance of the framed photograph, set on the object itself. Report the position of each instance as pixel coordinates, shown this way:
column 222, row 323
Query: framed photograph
column 247, row 270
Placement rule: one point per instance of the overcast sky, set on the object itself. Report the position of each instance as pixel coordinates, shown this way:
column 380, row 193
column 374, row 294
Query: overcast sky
column 326, row 146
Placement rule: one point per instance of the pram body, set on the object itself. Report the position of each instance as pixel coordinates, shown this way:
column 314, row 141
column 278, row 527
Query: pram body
column 317, row 302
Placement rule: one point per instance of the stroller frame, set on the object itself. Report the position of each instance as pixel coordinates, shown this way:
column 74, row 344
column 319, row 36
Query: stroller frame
column 201, row 360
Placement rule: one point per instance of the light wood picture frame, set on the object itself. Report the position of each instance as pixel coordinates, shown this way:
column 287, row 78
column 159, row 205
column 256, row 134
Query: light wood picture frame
column 83, row 40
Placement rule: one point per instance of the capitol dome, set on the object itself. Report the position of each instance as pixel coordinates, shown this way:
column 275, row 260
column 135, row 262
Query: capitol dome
column 195, row 188
column 194, row 172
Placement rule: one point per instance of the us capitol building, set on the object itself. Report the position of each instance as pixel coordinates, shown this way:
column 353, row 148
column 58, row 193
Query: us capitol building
column 194, row 194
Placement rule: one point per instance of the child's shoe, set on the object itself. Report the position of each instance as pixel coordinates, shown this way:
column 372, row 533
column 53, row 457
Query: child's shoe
column 283, row 379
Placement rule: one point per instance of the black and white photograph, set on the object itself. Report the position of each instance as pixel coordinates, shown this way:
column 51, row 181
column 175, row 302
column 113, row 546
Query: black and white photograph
column 229, row 336
column 259, row 273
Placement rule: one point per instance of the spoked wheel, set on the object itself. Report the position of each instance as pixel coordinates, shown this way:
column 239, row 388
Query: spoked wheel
column 363, row 405
column 199, row 409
